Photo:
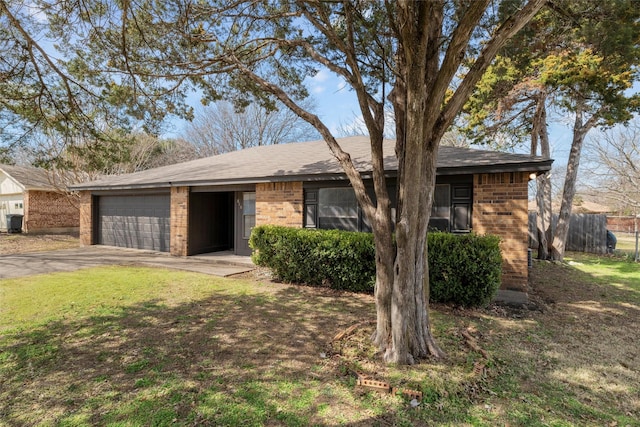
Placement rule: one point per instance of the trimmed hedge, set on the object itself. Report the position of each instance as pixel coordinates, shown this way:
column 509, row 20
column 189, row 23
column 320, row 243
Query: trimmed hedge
column 341, row 259
column 463, row 269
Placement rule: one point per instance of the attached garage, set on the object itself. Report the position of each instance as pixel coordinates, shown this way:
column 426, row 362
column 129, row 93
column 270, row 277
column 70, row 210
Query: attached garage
column 134, row 221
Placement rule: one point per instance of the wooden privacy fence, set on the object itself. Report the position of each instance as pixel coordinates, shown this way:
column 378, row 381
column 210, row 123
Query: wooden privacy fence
column 587, row 232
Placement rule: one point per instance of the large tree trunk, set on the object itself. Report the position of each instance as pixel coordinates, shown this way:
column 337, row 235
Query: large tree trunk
column 580, row 130
column 544, row 216
column 422, row 116
column 540, row 137
column 411, row 336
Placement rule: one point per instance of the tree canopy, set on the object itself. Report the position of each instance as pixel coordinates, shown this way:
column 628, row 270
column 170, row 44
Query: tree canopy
column 577, row 58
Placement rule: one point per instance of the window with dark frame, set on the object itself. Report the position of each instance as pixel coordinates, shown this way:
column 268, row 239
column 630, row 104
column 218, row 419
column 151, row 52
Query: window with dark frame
column 337, row 208
column 441, row 208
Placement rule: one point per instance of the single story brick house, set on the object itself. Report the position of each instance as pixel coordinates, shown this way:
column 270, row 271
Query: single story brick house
column 212, row 204
column 28, row 191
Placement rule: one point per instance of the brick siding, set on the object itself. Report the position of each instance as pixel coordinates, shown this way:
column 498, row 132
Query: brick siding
column 179, row 221
column 623, row 224
column 86, row 219
column 46, row 211
column 500, row 204
column 279, row 203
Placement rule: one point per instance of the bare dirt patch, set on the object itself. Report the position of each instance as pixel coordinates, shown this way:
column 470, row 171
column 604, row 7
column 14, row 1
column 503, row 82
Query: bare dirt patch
column 24, row 243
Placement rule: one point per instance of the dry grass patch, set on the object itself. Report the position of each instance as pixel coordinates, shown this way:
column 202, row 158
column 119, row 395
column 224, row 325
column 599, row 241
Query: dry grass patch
column 25, row 243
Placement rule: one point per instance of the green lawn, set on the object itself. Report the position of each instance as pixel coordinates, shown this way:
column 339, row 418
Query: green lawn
column 611, row 271
column 124, row 346
column 626, row 243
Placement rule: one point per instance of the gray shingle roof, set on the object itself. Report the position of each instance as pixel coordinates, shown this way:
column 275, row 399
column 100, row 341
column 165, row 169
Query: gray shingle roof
column 29, row 177
column 306, row 161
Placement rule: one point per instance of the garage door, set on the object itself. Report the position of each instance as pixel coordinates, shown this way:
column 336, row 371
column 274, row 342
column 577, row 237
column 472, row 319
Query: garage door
column 140, row 222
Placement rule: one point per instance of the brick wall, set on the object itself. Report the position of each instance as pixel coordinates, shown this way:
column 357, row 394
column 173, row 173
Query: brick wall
column 500, row 208
column 179, row 221
column 46, row 211
column 623, row 224
column 86, row 219
column 279, row 203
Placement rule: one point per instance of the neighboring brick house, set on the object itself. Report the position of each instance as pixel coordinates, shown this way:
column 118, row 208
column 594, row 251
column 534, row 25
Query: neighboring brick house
column 28, row 191
column 212, row 204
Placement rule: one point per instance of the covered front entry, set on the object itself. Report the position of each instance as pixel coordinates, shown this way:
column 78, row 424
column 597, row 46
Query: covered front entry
column 220, row 220
column 134, row 221
column 210, row 222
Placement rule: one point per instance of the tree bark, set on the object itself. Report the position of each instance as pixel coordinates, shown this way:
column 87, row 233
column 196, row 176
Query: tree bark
column 422, row 117
column 411, row 335
column 580, row 129
column 540, row 138
column 385, row 257
column 544, row 216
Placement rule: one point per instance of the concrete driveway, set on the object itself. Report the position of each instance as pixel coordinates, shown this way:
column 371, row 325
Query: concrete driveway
column 19, row 265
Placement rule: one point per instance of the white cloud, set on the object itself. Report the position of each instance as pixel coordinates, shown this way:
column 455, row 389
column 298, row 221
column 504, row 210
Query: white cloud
column 318, row 82
column 321, row 76
column 36, row 12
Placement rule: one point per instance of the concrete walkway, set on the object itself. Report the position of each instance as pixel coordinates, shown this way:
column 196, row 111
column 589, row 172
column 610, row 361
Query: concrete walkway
column 218, row 264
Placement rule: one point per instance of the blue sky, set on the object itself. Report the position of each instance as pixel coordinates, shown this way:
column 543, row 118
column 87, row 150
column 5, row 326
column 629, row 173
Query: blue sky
column 335, row 104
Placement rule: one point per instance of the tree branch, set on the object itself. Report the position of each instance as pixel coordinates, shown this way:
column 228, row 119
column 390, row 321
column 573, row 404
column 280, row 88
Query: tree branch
column 510, row 27
column 343, row 157
column 457, row 48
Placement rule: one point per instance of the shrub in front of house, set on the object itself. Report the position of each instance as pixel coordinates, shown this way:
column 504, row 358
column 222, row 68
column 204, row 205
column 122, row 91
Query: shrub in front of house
column 463, row 269
column 340, row 259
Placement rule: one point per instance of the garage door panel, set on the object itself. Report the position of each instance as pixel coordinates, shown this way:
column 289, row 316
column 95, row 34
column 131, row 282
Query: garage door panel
column 140, row 222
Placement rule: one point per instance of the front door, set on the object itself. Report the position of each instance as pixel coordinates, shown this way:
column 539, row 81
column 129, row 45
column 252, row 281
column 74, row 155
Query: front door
column 245, row 220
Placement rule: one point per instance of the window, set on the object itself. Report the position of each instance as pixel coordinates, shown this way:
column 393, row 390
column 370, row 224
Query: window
column 248, row 213
column 311, row 208
column 451, row 209
column 311, row 215
column 461, row 207
column 334, row 208
column 337, row 208
column 441, row 202
column 441, row 208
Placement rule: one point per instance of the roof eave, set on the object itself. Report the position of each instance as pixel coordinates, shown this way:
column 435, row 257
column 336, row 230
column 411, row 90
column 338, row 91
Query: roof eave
column 511, row 167
column 501, row 168
column 104, row 187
